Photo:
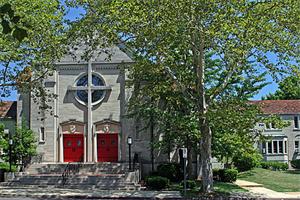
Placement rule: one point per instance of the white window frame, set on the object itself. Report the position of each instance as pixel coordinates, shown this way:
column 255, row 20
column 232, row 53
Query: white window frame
column 284, row 147
column 42, row 134
column 269, row 126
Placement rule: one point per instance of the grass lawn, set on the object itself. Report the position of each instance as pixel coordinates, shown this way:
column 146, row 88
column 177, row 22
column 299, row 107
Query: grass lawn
column 219, row 187
column 280, row 181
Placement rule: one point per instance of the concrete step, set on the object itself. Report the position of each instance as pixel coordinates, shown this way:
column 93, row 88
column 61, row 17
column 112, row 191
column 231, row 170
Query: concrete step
column 82, row 167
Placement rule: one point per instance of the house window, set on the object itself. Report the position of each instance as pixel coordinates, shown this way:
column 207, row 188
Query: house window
column 270, row 126
column 296, row 144
column 42, row 134
column 280, row 146
column 275, row 149
column 296, row 122
column 264, row 147
column 285, row 146
column 269, row 147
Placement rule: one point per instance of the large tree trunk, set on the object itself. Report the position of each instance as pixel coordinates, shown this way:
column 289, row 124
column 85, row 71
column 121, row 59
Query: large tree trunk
column 205, row 152
column 198, row 49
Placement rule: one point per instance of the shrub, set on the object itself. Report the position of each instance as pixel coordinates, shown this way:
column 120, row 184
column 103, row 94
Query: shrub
column 216, row 174
column 246, row 161
column 171, row 171
column 296, row 163
column 5, row 167
column 228, row 175
column 274, row 165
column 157, row 182
column 190, row 184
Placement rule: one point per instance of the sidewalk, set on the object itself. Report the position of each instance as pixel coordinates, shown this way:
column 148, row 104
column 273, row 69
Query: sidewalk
column 51, row 192
column 258, row 189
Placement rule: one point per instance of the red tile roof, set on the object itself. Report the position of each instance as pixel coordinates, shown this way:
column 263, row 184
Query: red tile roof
column 7, row 108
column 279, row 106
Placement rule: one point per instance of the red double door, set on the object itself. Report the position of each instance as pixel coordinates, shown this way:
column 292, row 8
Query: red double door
column 73, row 147
column 107, row 147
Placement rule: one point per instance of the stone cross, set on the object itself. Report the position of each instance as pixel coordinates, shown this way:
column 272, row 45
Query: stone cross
column 90, row 88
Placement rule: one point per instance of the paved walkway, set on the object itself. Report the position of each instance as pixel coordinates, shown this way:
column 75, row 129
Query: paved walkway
column 51, row 192
column 258, row 189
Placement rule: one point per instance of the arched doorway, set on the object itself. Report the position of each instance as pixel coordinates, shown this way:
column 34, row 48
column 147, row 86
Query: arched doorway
column 107, row 140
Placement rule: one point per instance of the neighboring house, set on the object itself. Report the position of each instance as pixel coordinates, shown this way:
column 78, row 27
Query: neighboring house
column 284, row 144
column 8, row 113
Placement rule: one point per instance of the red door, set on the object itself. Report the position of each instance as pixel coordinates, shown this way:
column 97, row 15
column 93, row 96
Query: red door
column 73, row 148
column 107, row 147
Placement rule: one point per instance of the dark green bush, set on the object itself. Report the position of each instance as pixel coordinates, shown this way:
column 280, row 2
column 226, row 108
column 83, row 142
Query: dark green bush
column 274, row 165
column 228, row 175
column 171, row 171
column 246, row 161
column 216, row 174
column 296, row 164
column 190, row 184
column 5, row 167
column 157, row 182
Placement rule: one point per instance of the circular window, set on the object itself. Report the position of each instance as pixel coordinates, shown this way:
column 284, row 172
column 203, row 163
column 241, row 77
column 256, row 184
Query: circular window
column 97, row 95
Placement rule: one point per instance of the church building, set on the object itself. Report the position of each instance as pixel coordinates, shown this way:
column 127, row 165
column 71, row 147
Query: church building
column 87, row 121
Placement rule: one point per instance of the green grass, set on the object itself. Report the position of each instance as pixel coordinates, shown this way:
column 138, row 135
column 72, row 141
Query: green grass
column 227, row 188
column 280, row 181
column 219, row 187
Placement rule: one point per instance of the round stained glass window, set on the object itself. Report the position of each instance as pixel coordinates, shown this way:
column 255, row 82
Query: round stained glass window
column 97, row 95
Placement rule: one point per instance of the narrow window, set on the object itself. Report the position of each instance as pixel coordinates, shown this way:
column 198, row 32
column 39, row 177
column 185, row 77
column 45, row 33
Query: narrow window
column 269, row 147
column 280, row 145
column 285, row 146
column 273, row 126
column 275, row 149
column 42, row 134
column 296, row 144
column 296, row 122
column 268, row 126
column 264, row 148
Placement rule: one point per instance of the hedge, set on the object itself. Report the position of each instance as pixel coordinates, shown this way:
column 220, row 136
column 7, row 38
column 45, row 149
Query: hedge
column 157, row 182
column 296, row 163
column 274, row 165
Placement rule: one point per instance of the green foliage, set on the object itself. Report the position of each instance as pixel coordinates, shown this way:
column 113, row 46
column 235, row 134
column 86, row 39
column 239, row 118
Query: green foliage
column 23, row 147
column 34, row 39
column 288, row 88
column 274, row 166
column 190, row 184
column 296, row 163
column 157, row 182
column 228, row 175
column 171, row 171
column 247, row 161
column 5, row 166
column 10, row 22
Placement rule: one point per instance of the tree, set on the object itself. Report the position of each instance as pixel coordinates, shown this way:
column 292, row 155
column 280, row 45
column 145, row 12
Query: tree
column 289, row 88
column 31, row 40
column 23, row 147
column 176, row 35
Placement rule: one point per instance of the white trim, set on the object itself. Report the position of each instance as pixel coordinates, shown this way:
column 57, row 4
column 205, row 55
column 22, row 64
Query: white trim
column 42, row 135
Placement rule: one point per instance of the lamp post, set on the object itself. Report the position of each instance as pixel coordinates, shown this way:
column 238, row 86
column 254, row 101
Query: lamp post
column 129, row 142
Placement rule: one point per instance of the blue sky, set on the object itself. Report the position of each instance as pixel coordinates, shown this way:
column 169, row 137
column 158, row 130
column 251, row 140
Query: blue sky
column 75, row 13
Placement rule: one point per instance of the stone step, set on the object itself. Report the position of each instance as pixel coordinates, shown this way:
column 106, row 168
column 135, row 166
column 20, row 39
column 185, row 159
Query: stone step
column 83, row 168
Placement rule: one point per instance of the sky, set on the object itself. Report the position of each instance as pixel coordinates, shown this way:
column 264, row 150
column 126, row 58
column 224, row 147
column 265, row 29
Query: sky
column 75, row 13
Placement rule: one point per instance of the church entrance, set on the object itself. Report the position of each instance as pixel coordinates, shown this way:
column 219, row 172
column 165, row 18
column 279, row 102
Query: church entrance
column 107, row 147
column 73, row 147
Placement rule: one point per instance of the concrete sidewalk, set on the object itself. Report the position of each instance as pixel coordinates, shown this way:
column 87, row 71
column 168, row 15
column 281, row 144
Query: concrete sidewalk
column 258, row 189
column 51, row 192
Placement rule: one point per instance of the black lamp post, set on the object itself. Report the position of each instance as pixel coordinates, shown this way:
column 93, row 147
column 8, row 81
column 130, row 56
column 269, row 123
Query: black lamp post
column 129, row 142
